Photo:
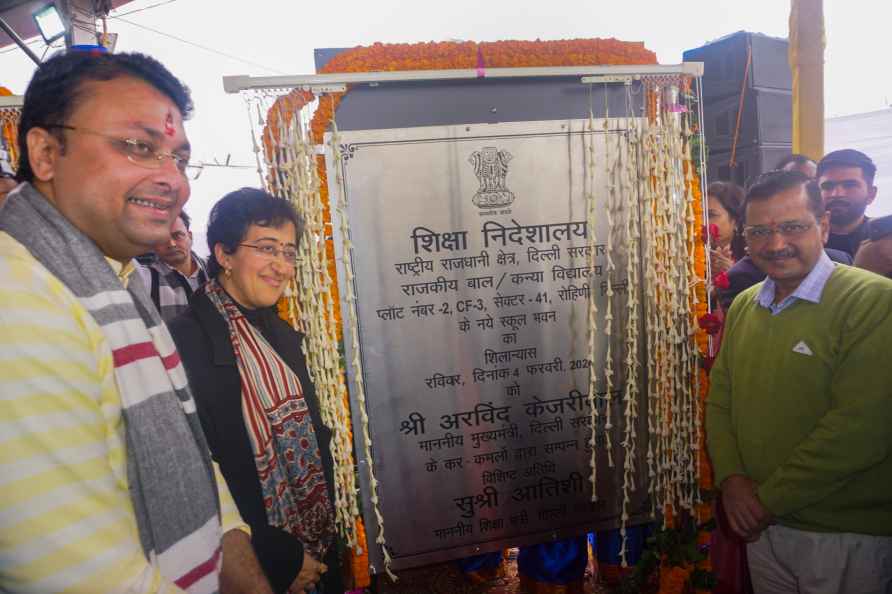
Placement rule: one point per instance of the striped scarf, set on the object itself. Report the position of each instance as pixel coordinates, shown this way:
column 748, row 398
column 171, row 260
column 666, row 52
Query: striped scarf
column 169, row 472
column 280, row 428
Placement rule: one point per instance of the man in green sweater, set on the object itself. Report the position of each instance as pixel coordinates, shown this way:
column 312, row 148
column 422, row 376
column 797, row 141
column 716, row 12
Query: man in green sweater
column 799, row 416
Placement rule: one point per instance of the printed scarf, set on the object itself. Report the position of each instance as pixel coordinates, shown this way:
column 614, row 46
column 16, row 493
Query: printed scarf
column 280, row 428
column 169, row 470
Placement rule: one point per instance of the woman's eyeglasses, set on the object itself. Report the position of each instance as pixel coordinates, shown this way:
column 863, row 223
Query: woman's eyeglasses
column 271, row 252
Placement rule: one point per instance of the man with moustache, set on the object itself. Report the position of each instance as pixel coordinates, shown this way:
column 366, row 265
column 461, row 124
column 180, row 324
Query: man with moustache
column 106, row 484
column 799, row 405
column 175, row 272
column 846, row 181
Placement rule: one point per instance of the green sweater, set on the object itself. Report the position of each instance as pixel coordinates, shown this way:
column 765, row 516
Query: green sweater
column 814, row 431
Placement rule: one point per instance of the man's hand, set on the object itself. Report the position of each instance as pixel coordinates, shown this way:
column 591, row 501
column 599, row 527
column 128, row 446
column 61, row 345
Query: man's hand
column 875, row 256
column 746, row 514
column 309, row 576
column 241, row 573
column 6, row 186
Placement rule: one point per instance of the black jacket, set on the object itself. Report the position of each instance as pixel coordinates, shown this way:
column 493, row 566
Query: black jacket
column 202, row 339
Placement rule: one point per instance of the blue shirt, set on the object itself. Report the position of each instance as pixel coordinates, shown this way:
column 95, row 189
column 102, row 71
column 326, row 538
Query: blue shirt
column 809, row 289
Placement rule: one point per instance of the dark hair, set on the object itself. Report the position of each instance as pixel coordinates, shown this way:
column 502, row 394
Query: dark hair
column 236, row 211
column 57, row 85
column 187, row 220
column 730, row 195
column 793, row 158
column 849, row 158
column 771, row 183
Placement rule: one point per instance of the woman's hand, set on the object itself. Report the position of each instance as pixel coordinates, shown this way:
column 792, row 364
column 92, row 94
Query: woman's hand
column 309, row 576
column 720, row 259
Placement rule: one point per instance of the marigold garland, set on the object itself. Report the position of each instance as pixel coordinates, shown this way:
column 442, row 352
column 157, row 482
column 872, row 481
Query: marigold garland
column 9, row 119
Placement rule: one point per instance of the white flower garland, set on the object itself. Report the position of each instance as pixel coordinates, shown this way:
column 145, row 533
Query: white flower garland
column 651, row 319
column 592, row 304
column 676, row 354
column 628, row 177
column 359, row 392
column 651, row 221
column 609, row 214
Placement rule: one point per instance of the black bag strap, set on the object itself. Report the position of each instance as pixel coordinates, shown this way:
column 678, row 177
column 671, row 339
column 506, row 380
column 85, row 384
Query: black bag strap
column 155, row 290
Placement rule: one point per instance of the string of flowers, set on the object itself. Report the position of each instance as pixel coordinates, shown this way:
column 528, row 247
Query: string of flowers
column 674, row 269
column 646, row 185
column 592, row 304
column 609, row 215
column 693, row 419
column 359, row 385
column 681, row 447
column 628, row 177
column 687, row 358
column 700, row 308
column 661, row 326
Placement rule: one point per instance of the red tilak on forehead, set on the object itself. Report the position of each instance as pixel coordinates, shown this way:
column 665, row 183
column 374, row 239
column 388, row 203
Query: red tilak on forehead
column 168, row 126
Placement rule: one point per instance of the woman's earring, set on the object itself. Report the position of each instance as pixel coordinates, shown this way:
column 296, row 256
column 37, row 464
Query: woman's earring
column 228, row 272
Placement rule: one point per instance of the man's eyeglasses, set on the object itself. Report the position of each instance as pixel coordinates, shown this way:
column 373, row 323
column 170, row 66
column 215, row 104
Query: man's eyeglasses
column 139, row 152
column 271, row 252
column 790, row 229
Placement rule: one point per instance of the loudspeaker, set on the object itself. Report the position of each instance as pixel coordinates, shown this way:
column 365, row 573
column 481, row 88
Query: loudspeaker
column 724, row 64
column 751, row 161
column 766, row 122
column 767, row 118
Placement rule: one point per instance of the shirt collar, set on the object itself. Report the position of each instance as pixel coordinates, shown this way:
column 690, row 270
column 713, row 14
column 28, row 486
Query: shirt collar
column 810, row 289
column 165, row 268
column 122, row 270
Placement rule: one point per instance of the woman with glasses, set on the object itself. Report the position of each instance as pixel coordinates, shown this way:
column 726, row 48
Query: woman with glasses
column 725, row 200
column 254, row 396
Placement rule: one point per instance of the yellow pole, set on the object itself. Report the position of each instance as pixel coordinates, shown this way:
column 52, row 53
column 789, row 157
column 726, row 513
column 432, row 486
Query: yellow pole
column 807, row 64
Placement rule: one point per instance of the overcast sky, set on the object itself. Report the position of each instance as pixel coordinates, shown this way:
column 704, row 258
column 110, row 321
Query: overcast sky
column 279, row 36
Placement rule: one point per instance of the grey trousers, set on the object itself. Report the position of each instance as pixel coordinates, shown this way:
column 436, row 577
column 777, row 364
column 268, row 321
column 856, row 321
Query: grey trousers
column 790, row 561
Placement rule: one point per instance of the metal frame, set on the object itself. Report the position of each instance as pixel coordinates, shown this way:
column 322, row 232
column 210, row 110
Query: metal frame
column 10, row 32
column 12, row 101
column 335, row 82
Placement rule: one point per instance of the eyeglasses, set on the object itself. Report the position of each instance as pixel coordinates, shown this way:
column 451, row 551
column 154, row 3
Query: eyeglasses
column 758, row 233
column 139, row 152
column 271, row 252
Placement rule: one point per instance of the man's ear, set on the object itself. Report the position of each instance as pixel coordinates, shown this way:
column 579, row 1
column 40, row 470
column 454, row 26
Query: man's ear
column 43, row 153
column 871, row 194
column 824, row 226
